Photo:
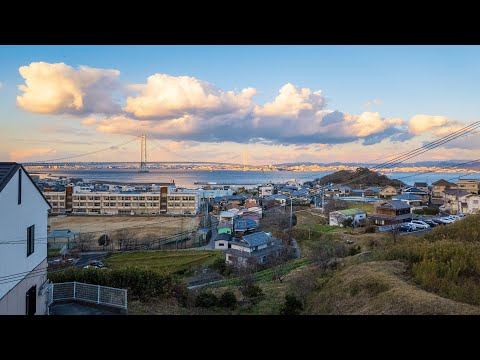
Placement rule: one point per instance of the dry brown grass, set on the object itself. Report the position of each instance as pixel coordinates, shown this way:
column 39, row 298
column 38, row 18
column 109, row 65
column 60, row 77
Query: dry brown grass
column 142, row 225
column 380, row 288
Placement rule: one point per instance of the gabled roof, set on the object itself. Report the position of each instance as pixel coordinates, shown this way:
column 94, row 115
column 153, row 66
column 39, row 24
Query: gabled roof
column 396, row 204
column 223, row 237
column 407, row 197
column 455, row 192
column 245, row 224
column 8, row 169
column 277, row 196
column 374, row 189
column 257, row 239
column 420, row 184
column 443, row 182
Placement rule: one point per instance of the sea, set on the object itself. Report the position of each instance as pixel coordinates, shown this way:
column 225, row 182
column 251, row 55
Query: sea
column 187, row 178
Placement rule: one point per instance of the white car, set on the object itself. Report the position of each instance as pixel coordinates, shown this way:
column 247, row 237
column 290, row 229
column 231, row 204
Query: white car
column 419, row 224
column 446, row 220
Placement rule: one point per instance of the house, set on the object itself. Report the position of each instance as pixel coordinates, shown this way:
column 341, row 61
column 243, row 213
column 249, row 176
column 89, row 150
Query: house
column 391, row 212
column 470, row 185
column 472, row 204
column 265, row 190
column 357, row 192
column 23, row 254
column 437, row 190
column 387, row 192
column 452, row 200
column 222, row 241
column 369, row 193
column 421, row 186
column 416, row 191
column 345, row 190
column 374, row 190
column 244, row 225
column 258, row 246
column 337, row 217
column 278, row 198
column 414, row 201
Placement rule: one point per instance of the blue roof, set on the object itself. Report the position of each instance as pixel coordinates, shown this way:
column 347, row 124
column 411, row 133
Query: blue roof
column 374, row 189
column 301, row 192
column 406, row 197
column 257, row 239
column 414, row 190
column 277, row 196
column 64, row 233
column 246, row 224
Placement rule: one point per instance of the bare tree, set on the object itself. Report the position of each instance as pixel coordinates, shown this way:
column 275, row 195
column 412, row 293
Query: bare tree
column 302, row 285
column 85, row 241
column 277, row 262
column 395, row 231
column 334, row 205
column 325, row 253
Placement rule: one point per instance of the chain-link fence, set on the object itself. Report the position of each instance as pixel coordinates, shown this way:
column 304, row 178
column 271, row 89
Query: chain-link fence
column 87, row 292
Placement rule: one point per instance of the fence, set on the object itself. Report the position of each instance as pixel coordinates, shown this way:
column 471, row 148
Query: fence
column 87, row 292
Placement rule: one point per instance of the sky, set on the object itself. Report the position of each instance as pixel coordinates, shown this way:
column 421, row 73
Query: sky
column 213, row 103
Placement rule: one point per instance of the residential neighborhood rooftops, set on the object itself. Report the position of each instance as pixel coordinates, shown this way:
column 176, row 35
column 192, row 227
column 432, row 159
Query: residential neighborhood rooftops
column 247, row 224
column 407, row 197
column 420, row 184
column 223, row 237
column 277, row 197
column 414, row 190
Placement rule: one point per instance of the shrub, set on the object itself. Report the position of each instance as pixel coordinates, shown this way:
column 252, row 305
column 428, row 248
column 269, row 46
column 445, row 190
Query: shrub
column 181, row 293
column 206, row 300
column 228, row 300
column 219, row 265
column 252, row 291
column 426, row 211
column 354, row 250
column 292, row 305
column 370, row 229
column 140, row 283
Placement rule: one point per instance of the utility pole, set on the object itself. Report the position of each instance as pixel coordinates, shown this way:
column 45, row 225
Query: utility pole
column 291, row 212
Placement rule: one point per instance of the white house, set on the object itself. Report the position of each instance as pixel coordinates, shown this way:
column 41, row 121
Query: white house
column 473, row 204
column 337, row 217
column 23, row 240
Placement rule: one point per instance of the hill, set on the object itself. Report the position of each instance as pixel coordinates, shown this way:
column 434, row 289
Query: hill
column 360, row 177
column 380, row 287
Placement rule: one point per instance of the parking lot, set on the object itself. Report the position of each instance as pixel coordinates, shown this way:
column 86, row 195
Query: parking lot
column 422, row 231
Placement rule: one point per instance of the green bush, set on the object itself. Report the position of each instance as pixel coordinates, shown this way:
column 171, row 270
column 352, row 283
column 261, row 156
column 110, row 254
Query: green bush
column 206, row 300
column 140, row 283
column 251, row 291
column 228, row 300
column 354, row 250
column 370, row 229
column 292, row 305
column 219, row 265
column 426, row 211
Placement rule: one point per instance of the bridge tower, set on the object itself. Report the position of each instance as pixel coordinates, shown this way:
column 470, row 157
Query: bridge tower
column 143, row 155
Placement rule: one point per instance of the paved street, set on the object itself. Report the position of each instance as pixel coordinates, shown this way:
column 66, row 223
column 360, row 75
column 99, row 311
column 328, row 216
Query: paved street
column 87, row 257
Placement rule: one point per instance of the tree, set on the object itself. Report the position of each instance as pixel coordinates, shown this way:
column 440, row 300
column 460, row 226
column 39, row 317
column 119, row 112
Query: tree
column 104, row 240
column 277, row 262
column 348, row 222
column 395, row 231
column 85, row 241
column 228, row 300
column 334, row 205
column 325, row 252
column 302, row 284
column 292, row 305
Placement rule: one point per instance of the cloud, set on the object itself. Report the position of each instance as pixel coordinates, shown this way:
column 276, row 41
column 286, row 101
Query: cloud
column 291, row 101
column 420, row 124
column 88, row 121
column 58, row 88
column 167, row 96
column 23, row 154
column 373, row 102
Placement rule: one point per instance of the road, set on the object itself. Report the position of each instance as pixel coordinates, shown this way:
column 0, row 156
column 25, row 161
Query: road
column 87, row 257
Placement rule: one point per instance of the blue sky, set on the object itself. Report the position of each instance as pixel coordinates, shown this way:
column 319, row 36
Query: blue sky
column 405, row 80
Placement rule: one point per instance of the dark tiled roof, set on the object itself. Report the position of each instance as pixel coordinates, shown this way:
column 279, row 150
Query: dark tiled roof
column 420, row 184
column 414, row 190
column 443, row 182
column 224, row 237
column 7, row 170
column 396, row 204
column 407, row 196
column 455, row 192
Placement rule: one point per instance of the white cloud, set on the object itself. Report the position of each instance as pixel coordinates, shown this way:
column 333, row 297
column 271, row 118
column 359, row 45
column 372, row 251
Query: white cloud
column 420, row 124
column 23, row 154
column 291, row 101
column 168, row 96
column 373, row 102
column 58, row 88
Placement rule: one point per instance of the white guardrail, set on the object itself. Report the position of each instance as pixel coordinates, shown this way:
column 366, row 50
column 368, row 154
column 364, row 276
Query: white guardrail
column 87, row 292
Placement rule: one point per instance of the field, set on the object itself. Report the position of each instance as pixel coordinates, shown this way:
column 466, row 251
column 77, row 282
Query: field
column 169, row 261
column 143, row 225
column 368, row 208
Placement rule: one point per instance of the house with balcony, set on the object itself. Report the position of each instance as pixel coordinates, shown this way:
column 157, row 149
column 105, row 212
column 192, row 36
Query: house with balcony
column 417, row 192
column 437, row 190
column 454, row 201
column 258, row 246
column 470, row 185
column 472, row 202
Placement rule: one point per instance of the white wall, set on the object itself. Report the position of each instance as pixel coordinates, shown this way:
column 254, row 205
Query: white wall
column 14, row 221
column 218, row 244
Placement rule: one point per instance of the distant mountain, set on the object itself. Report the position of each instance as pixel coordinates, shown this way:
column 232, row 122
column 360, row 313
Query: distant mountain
column 446, row 163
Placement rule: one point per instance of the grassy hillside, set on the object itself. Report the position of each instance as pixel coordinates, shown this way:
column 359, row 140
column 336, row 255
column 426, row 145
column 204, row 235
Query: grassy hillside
column 380, row 288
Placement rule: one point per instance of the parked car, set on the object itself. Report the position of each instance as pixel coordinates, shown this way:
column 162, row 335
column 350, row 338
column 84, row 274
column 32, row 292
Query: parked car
column 406, row 227
column 446, row 220
column 461, row 215
column 97, row 264
column 420, row 224
column 430, row 222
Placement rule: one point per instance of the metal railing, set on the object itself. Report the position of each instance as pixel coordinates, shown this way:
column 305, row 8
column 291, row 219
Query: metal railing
column 87, row 292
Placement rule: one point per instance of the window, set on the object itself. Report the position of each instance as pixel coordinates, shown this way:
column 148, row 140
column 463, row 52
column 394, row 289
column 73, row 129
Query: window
column 31, row 301
column 30, row 240
column 19, row 186
column 221, row 244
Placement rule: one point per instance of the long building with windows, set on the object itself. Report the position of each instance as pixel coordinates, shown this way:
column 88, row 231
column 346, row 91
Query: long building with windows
column 78, row 200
